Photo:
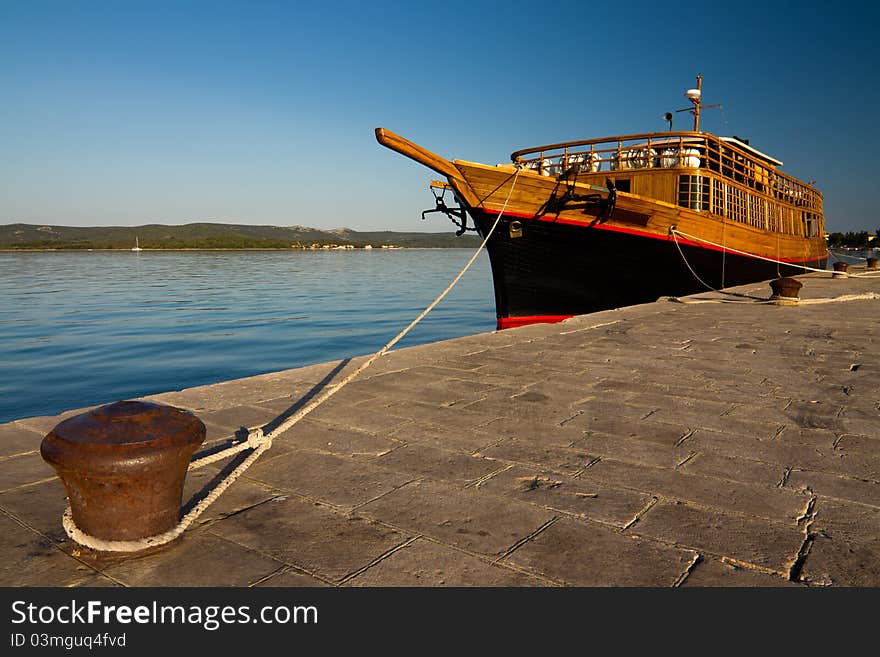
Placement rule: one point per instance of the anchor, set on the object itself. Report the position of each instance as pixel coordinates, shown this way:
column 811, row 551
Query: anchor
column 457, row 215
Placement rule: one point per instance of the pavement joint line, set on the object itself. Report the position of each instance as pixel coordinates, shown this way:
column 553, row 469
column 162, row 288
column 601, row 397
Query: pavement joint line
column 513, row 548
column 387, row 492
column 825, row 496
column 785, row 476
column 493, row 562
column 562, row 423
column 284, row 493
column 688, row 434
column 808, row 513
column 283, row 568
column 211, row 521
column 797, row 565
column 489, row 475
column 29, row 484
column 589, row 464
column 639, row 514
column 747, row 565
column 379, row 559
column 263, row 553
column 590, row 328
column 479, row 451
column 728, row 411
column 8, row 457
column 687, row 571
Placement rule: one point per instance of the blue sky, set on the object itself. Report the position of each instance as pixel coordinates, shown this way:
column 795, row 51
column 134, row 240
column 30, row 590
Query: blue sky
column 124, row 113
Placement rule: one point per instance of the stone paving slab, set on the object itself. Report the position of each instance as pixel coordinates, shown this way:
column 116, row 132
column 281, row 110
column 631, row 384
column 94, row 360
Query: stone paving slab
column 768, row 546
column 579, row 496
column 16, row 439
column 468, row 519
column 203, row 559
column 337, row 480
column 580, row 554
column 715, row 572
column 427, row 563
column 312, row 537
column 708, row 442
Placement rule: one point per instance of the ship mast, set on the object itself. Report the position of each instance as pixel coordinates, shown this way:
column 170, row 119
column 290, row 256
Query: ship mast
column 695, row 95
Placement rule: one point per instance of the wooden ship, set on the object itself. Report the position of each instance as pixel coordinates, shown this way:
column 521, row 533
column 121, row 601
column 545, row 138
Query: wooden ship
column 601, row 223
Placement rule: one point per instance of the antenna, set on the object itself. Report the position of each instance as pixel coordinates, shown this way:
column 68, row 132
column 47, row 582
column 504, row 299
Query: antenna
column 668, row 118
column 696, row 97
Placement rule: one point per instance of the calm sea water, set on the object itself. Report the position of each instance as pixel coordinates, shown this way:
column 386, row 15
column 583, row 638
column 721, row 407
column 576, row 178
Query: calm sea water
column 79, row 329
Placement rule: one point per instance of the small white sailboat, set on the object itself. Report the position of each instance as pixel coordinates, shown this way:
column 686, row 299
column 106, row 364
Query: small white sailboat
column 136, row 246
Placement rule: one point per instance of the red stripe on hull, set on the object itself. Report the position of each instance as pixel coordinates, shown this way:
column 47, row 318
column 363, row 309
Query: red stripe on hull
column 515, row 322
column 631, row 231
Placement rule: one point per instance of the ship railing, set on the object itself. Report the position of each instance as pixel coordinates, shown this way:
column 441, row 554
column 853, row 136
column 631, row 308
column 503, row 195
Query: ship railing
column 669, row 150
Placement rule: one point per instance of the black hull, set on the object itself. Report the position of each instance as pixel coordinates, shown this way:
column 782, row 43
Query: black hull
column 555, row 270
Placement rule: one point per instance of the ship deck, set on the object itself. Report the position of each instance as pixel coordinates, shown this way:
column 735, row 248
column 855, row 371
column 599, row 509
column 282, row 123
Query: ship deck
column 718, row 442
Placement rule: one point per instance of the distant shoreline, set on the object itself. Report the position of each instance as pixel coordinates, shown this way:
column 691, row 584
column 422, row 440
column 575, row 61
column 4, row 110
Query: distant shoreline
column 296, row 250
column 217, row 237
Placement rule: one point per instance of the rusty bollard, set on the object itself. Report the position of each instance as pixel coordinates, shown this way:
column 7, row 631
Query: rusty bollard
column 786, row 291
column 124, row 466
column 873, row 263
column 839, row 270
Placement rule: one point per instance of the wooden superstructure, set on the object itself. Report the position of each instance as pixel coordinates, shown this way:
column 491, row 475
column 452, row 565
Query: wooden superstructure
column 722, row 177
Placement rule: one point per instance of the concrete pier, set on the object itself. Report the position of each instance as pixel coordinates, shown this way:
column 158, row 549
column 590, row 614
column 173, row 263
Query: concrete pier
column 715, row 442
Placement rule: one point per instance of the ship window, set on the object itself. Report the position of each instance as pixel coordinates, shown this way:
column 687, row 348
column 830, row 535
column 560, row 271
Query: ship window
column 693, row 192
column 622, row 184
column 773, row 217
column 719, row 193
column 757, row 211
column 811, row 224
column 737, row 205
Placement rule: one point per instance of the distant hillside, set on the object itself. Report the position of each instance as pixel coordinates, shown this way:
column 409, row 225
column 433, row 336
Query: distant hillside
column 214, row 236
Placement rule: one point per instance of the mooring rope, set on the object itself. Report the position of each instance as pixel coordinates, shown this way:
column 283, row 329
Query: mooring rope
column 675, row 231
column 259, row 441
column 839, row 274
column 866, row 296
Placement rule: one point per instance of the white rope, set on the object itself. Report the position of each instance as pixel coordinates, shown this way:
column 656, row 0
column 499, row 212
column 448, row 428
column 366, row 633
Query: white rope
column 867, row 296
column 842, row 298
column 688, row 265
column 840, row 256
column 672, row 231
column 257, row 440
column 675, row 231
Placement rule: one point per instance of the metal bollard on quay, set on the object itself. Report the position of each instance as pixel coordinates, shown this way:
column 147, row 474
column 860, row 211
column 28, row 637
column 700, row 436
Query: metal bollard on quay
column 123, row 466
column 786, row 291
